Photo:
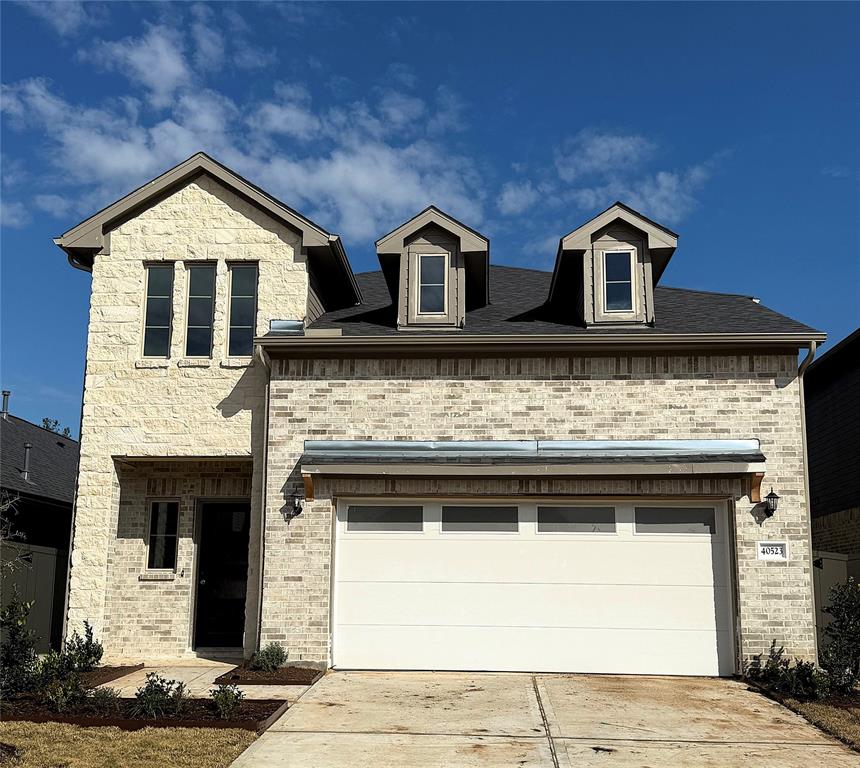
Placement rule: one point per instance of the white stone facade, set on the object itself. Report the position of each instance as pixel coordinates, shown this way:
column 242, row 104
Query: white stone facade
column 141, row 415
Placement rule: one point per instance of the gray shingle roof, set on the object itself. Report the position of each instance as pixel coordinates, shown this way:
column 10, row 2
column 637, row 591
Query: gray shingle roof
column 53, row 460
column 517, row 306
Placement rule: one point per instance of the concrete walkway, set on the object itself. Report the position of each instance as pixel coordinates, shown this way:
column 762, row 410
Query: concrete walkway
column 199, row 680
column 383, row 720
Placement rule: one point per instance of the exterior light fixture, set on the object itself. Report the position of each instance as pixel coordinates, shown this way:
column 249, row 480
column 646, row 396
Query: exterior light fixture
column 293, row 507
column 771, row 503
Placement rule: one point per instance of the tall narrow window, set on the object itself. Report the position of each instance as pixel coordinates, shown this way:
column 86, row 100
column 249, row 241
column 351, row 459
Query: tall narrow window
column 243, row 309
column 159, row 301
column 201, row 310
column 431, row 283
column 618, row 279
column 163, row 527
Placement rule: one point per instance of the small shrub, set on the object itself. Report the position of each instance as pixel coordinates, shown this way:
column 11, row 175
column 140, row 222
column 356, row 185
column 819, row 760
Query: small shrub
column 17, row 647
column 159, row 697
column 83, row 653
column 65, row 694
column 104, row 701
column 270, row 658
column 227, row 699
column 801, row 680
column 841, row 654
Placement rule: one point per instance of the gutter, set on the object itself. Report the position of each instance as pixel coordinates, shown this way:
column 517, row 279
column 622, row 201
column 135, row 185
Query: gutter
column 800, row 371
column 266, row 362
column 456, row 344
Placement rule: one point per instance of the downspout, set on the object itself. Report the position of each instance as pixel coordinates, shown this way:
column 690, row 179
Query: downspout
column 266, row 361
column 800, row 371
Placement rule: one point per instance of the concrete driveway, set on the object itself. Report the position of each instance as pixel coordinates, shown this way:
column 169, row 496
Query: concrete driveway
column 422, row 719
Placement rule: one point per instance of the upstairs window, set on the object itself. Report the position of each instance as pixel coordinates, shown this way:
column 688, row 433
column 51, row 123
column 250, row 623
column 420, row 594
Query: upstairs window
column 432, row 293
column 201, row 310
column 243, row 309
column 159, row 309
column 618, row 281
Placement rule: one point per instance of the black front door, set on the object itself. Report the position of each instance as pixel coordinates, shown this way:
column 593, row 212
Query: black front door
column 222, row 574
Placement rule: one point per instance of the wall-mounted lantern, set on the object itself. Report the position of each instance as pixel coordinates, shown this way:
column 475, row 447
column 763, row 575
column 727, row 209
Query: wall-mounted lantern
column 293, row 507
column 771, row 503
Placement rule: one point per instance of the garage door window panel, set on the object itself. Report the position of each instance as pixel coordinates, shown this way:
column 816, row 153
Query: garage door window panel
column 700, row 521
column 393, row 519
column 480, row 519
column 557, row 519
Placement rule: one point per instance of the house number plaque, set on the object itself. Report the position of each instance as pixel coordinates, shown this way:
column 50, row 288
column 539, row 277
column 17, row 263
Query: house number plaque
column 772, row 550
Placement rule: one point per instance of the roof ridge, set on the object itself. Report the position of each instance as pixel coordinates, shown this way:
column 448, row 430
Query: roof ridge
column 44, row 429
column 701, row 290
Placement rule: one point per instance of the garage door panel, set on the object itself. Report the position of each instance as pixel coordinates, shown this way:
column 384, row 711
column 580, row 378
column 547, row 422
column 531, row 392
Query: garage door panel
column 543, row 560
column 537, row 649
column 549, row 605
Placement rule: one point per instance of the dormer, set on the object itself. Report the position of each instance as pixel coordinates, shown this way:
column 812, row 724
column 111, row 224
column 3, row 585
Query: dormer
column 606, row 270
column 436, row 269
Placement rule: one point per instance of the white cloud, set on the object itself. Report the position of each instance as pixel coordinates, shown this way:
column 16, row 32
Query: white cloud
column 836, row 171
column 516, row 197
column 58, row 206
column 14, row 214
column 666, row 196
column 65, row 17
column 156, row 61
column 591, row 153
column 249, row 56
column 209, row 43
column 400, row 109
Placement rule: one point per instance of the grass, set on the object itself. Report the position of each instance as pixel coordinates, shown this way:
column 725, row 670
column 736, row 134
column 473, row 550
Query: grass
column 839, row 721
column 49, row 745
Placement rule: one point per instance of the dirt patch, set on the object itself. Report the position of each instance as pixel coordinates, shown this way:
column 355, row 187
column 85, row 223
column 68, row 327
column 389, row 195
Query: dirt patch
column 251, row 715
column 289, row 675
column 107, row 674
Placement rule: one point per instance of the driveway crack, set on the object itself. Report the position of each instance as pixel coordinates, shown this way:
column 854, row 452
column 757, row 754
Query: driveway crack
column 545, row 724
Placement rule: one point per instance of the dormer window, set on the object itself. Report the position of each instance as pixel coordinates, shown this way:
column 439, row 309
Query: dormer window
column 432, row 293
column 618, row 269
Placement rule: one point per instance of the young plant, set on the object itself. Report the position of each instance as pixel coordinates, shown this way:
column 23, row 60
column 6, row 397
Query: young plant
column 104, row 701
column 227, row 699
column 17, row 647
column 841, row 655
column 270, row 658
column 159, row 697
column 65, row 694
column 84, row 653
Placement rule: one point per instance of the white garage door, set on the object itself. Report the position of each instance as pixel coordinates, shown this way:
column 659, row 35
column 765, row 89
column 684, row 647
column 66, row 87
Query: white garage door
column 639, row 588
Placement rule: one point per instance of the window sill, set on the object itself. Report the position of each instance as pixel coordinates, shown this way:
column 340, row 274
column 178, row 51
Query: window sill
column 157, row 576
column 153, row 362
column 237, row 362
column 194, row 362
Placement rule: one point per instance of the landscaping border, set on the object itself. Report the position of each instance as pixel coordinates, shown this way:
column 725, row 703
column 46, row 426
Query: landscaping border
column 783, row 701
column 237, row 676
column 137, row 723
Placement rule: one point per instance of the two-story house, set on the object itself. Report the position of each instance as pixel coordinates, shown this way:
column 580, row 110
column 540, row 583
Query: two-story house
column 445, row 464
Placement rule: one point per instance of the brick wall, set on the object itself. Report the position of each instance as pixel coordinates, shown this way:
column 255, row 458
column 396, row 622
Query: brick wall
column 631, row 396
column 173, row 407
column 837, row 532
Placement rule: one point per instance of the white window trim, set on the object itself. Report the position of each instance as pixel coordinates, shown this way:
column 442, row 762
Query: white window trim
column 345, row 530
column 189, row 267
column 171, row 265
column 631, row 252
column 230, row 265
column 719, row 533
column 444, row 312
column 149, row 503
column 473, row 503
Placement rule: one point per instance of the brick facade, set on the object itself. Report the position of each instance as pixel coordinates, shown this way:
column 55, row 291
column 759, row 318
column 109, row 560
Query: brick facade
column 613, row 397
column 837, row 532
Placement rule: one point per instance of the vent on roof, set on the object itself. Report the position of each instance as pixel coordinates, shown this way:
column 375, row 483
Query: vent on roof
column 287, row 327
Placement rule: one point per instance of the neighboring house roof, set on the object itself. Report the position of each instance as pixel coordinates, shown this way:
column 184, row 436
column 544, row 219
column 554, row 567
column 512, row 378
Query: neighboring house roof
column 87, row 239
column 53, row 461
column 518, row 307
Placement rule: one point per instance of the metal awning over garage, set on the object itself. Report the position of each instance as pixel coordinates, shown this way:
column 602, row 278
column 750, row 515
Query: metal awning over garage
column 532, row 458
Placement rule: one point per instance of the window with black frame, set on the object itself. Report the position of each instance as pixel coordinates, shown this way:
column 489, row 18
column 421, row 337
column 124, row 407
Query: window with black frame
column 243, row 309
column 158, row 311
column 163, row 535
column 201, row 310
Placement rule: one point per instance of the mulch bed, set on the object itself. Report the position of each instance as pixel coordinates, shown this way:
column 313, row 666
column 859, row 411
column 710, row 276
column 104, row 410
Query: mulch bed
column 289, row 675
column 251, row 715
column 101, row 675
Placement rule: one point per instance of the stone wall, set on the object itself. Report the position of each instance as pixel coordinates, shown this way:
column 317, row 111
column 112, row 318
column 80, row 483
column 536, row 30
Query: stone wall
column 613, row 397
column 172, row 407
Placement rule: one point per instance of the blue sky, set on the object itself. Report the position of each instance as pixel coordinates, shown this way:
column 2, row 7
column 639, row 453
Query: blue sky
column 736, row 125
